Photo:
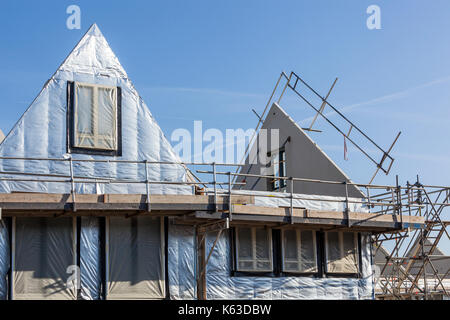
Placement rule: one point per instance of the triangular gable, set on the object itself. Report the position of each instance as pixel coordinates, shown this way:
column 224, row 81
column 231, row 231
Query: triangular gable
column 2, row 136
column 304, row 159
column 415, row 250
column 42, row 130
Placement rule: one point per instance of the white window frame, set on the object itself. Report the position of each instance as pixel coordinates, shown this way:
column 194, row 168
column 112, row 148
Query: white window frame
column 254, row 259
column 341, row 250
column 95, row 135
column 299, row 249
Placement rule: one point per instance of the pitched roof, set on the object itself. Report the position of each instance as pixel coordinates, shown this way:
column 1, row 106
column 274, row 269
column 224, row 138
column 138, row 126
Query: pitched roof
column 42, row 130
column 304, row 158
column 440, row 262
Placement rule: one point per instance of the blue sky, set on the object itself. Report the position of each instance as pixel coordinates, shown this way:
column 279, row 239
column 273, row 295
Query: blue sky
column 216, row 60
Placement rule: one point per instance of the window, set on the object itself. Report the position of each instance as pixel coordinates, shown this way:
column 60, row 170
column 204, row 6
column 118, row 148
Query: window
column 95, row 112
column 135, row 255
column 299, row 251
column 278, row 163
column 254, row 249
column 341, row 252
column 294, row 251
column 44, row 248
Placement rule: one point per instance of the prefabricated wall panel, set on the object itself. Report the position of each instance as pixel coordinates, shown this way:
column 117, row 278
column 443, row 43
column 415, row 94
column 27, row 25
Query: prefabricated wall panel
column 43, row 252
column 135, row 258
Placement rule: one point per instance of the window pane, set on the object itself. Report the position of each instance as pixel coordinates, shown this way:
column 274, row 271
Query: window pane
column 342, row 252
column 84, row 117
column 107, row 118
column 282, row 168
column 106, row 110
column 349, row 243
column 85, row 104
column 333, row 252
column 263, row 265
column 299, row 256
column 276, row 171
column 245, row 265
column 290, row 245
column 290, row 266
column 245, row 243
column 308, row 252
column 350, row 254
column 290, row 251
column 254, row 249
column 262, row 244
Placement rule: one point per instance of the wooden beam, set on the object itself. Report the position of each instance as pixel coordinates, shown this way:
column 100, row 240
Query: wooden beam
column 62, row 203
column 306, row 213
column 328, row 219
column 35, row 204
column 201, row 265
column 6, row 198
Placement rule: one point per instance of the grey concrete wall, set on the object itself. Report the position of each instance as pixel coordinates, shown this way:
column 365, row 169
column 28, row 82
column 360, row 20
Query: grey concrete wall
column 304, row 159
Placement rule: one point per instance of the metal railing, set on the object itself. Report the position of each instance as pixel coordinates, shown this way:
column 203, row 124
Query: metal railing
column 380, row 199
column 293, row 81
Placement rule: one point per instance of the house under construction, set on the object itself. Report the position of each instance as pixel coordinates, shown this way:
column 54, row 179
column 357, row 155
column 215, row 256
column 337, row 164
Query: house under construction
column 95, row 204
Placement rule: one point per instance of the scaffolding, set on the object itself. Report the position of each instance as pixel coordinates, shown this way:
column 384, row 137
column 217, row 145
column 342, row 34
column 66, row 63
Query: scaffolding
column 410, row 270
column 343, row 125
column 223, row 208
column 412, row 273
column 410, row 259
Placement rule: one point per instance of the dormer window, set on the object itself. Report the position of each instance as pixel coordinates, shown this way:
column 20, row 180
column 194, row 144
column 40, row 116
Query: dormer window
column 95, row 118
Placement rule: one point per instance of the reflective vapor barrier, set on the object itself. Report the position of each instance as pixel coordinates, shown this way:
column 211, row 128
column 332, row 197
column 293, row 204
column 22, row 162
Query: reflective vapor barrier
column 4, row 259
